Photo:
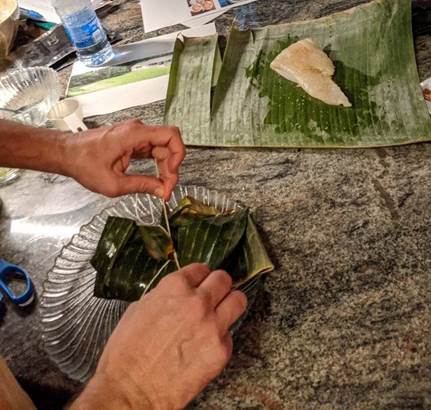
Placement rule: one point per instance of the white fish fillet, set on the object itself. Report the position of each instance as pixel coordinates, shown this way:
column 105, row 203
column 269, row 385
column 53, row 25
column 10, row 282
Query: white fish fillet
column 308, row 66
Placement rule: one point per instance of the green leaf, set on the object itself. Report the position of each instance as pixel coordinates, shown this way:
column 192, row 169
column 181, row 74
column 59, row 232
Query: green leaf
column 373, row 51
column 250, row 258
column 131, row 260
column 203, row 51
column 188, row 210
column 157, row 242
column 115, row 236
column 210, row 240
column 133, row 270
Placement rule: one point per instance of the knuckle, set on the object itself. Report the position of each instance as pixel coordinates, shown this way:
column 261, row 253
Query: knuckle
column 199, row 267
column 179, row 282
column 145, row 186
column 174, row 130
column 171, row 282
column 111, row 192
column 112, row 189
column 131, row 124
column 222, row 353
column 241, row 301
column 198, row 304
column 224, row 278
column 134, row 122
column 212, row 331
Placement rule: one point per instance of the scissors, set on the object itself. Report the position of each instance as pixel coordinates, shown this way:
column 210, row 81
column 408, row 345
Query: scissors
column 10, row 270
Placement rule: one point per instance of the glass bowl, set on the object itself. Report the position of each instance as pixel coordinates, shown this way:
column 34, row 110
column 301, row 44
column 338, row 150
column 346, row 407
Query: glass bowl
column 27, row 95
column 76, row 324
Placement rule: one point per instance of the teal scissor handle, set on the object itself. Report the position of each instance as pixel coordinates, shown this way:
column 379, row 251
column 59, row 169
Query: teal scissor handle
column 23, row 298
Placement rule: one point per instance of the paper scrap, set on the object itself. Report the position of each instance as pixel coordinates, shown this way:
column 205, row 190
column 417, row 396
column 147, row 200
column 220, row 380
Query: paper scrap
column 183, row 11
column 205, row 19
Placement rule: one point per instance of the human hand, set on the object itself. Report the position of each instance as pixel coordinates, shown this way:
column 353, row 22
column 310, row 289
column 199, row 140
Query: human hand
column 169, row 345
column 99, row 158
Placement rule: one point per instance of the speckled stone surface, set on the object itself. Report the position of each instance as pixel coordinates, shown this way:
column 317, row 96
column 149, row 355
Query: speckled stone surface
column 343, row 323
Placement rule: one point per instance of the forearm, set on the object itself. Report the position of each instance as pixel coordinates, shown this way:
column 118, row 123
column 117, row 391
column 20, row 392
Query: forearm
column 104, row 393
column 26, row 147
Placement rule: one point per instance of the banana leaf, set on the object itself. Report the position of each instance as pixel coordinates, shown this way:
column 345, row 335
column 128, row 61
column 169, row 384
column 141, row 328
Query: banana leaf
column 158, row 243
column 188, row 210
column 115, row 236
column 372, row 48
column 248, row 260
column 216, row 237
column 131, row 259
column 131, row 270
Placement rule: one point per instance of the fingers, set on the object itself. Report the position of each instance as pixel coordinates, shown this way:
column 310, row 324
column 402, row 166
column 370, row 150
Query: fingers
column 216, row 286
column 166, row 147
column 161, row 154
column 169, row 137
column 230, row 309
column 140, row 183
column 139, row 135
column 169, row 179
column 194, row 274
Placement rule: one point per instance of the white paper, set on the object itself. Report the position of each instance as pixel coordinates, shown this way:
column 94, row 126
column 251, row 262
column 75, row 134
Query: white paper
column 163, row 13
column 143, row 92
column 155, row 15
column 126, row 96
column 200, row 21
column 48, row 12
column 207, row 17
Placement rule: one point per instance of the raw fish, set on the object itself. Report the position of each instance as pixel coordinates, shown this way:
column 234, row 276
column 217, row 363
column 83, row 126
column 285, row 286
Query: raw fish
column 308, row 66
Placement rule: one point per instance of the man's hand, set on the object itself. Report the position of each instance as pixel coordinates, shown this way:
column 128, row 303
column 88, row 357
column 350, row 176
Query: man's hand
column 99, row 158
column 169, row 345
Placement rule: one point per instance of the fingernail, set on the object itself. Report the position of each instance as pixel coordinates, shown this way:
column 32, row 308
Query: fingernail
column 159, row 192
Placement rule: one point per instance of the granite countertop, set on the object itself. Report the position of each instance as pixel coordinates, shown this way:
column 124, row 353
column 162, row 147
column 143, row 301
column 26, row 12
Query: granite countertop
column 344, row 322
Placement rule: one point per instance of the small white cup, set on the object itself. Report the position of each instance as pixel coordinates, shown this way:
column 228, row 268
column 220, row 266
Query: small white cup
column 67, row 116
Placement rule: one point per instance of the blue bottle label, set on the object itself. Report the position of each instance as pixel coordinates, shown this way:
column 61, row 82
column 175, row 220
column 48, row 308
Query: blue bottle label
column 83, row 28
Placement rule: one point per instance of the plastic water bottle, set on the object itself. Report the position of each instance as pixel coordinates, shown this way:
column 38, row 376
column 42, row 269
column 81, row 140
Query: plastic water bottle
column 84, row 31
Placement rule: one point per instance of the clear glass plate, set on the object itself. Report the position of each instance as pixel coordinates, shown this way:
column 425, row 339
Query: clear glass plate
column 75, row 324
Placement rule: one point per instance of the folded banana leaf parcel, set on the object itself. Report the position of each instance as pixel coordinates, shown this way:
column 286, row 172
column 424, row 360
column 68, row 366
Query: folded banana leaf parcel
column 130, row 260
column 239, row 100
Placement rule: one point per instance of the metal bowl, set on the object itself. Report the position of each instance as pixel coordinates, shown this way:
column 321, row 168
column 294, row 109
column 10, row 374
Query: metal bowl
column 9, row 13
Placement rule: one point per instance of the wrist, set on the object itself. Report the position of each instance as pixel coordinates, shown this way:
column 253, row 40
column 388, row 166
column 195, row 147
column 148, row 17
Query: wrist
column 61, row 157
column 106, row 393
column 74, row 150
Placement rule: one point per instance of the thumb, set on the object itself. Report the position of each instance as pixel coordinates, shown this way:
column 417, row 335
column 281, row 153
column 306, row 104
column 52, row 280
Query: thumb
column 129, row 184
